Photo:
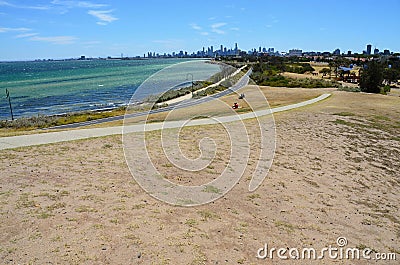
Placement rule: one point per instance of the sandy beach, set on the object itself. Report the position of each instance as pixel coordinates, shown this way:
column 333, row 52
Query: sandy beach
column 335, row 174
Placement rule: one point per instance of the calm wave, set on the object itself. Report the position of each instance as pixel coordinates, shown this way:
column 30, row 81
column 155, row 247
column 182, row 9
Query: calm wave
column 56, row 87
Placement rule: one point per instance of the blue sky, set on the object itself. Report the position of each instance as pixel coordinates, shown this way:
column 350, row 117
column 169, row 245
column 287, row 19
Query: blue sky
column 68, row 28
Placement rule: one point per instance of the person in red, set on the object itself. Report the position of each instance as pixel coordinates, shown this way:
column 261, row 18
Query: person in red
column 235, row 105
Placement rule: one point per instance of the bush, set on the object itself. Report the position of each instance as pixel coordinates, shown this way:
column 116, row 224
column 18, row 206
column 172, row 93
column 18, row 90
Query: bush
column 349, row 89
column 371, row 77
column 385, row 89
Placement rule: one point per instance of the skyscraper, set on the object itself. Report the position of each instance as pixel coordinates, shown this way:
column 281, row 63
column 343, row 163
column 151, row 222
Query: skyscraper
column 369, row 47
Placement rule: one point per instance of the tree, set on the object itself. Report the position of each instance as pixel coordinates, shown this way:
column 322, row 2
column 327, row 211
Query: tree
column 390, row 75
column 325, row 71
column 371, row 77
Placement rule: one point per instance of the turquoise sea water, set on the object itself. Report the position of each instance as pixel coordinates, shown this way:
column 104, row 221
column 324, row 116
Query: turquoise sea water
column 56, row 87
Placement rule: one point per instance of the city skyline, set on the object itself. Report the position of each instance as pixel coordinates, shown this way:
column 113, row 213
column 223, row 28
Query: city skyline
column 100, row 28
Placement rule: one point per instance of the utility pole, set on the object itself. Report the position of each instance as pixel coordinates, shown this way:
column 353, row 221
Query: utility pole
column 9, row 102
column 192, row 80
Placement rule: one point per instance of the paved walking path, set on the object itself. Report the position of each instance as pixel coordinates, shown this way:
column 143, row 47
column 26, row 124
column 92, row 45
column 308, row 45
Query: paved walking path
column 183, row 104
column 63, row 136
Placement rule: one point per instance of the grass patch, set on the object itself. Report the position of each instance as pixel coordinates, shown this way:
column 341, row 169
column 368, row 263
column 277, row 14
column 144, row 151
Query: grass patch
column 44, row 215
column 191, row 222
column 85, row 209
column 344, row 114
column 349, row 89
column 276, row 80
column 211, row 189
column 206, row 215
column 285, row 225
column 43, row 121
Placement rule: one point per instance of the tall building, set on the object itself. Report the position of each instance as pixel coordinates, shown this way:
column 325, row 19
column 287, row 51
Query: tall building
column 376, row 51
column 369, row 47
column 295, row 52
column 236, row 47
column 336, row 52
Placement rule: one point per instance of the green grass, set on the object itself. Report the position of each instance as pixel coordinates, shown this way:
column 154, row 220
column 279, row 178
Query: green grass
column 191, row 222
column 43, row 121
column 206, row 215
column 349, row 89
column 344, row 114
column 211, row 189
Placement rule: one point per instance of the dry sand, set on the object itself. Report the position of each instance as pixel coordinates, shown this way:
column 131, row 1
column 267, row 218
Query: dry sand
column 335, row 173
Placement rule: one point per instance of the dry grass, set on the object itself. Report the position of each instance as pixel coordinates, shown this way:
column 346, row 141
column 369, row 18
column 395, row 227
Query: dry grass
column 335, row 174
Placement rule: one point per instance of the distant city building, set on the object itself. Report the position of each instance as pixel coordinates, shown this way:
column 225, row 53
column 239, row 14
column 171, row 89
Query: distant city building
column 336, row 52
column 369, row 47
column 295, row 52
column 258, row 51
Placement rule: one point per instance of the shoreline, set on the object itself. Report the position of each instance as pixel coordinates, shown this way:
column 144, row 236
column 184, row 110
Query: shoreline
column 123, row 105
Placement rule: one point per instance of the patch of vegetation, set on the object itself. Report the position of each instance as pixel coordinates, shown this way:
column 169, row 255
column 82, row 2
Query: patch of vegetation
column 211, row 189
column 43, row 121
column 349, row 89
column 343, row 122
column 253, row 196
column 277, row 80
column 206, row 215
column 344, row 114
column 176, row 93
column 285, row 225
column 209, row 91
column 299, row 68
column 44, row 215
column 25, row 202
column 85, row 209
column 191, row 222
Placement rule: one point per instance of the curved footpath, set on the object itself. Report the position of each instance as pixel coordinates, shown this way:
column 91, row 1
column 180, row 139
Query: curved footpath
column 178, row 104
column 63, row 136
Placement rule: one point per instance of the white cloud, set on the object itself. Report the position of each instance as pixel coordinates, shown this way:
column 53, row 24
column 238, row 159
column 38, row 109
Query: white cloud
column 2, row 30
column 55, row 39
column 235, row 29
column 196, row 27
column 218, row 25
column 5, row 3
column 218, row 31
column 26, row 35
column 79, row 4
column 103, row 15
column 216, row 28
column 204, row 33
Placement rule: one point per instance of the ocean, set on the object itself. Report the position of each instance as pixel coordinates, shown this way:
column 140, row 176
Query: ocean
column 58, row 87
